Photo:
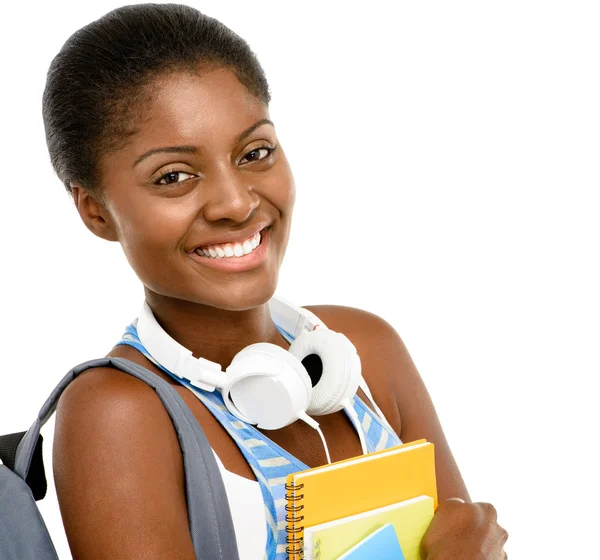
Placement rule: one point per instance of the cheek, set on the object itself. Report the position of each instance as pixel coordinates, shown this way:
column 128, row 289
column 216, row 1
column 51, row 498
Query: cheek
column 291, row 200
column 284, row 198
column 284, row 189
column 151, row 232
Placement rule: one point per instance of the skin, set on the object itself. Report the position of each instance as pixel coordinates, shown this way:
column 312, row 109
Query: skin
column 112, row 429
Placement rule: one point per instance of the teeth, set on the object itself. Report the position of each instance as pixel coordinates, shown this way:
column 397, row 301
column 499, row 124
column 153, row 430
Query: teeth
column 231, row 249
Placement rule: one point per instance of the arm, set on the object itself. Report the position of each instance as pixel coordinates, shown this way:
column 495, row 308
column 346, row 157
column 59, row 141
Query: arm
column 397, row 387
column 459, row 530
column 119, row 472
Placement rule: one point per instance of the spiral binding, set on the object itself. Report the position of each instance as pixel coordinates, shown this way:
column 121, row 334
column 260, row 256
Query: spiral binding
column 295, row 533
column 315, row 553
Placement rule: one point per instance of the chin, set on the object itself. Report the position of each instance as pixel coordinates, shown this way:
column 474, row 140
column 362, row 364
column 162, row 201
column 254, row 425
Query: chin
column 244, row 296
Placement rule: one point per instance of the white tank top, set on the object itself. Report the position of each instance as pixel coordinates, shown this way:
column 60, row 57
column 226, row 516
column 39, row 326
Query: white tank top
column 248, row 513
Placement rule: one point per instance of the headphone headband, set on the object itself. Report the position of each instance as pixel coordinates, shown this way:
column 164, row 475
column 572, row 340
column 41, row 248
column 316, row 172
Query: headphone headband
column 173, row 356
column 291, row 318
column 203, row 373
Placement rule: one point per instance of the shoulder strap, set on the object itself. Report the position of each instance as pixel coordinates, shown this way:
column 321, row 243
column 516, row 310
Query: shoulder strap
column 210, row 520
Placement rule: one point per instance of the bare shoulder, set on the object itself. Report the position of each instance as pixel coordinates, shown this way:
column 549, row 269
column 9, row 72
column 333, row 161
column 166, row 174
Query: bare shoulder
column 112, row 394
column 372, row 335
column 384, row 357
column 396, row 385
column 117, row 456
column 378, row 344
column 105, row 406
column 360, row 324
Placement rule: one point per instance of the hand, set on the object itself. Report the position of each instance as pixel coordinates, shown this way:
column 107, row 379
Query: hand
column 461, row 531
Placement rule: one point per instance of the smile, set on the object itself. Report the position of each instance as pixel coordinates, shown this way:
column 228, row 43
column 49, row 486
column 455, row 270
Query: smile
column 230, row 250
column 235, row 256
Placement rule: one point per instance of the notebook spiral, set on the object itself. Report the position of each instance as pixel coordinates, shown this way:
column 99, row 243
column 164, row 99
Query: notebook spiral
column 294, row 518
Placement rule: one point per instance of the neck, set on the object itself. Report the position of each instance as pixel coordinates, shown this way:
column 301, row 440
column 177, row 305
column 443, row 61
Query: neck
column 212, row 333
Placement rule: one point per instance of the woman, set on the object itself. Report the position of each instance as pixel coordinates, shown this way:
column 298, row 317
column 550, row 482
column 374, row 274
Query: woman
column 157, row 122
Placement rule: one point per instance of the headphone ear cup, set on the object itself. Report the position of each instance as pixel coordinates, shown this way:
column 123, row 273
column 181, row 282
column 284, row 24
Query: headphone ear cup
column 333, row 367
column 267, row 386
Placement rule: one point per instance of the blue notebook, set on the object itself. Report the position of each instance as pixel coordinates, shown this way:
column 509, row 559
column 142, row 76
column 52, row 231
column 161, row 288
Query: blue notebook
column 381, row 544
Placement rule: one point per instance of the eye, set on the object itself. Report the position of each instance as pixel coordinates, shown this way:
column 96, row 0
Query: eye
column 173, row 177
column 257, row 154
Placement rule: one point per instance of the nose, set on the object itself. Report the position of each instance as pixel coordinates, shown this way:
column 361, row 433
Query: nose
column 229, row 196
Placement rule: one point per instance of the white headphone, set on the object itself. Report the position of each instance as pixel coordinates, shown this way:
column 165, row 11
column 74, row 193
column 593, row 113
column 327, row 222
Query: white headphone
column 265, row 384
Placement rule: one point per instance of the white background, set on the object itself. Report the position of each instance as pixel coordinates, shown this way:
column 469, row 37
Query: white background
column 447, row 162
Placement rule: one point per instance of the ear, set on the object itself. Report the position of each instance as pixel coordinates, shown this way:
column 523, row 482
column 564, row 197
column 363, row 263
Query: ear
column 94, row 213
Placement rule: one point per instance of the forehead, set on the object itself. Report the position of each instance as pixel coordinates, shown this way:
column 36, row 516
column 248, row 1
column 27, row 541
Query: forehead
column 205, row 107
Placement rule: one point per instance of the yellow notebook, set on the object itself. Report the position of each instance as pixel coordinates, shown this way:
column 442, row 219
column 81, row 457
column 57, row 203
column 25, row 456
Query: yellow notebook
column 357, row 485
column 410, row 519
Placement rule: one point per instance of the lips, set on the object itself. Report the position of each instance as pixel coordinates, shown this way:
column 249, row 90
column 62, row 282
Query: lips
column 232, row 262
column 227, row 250
column 233, row 237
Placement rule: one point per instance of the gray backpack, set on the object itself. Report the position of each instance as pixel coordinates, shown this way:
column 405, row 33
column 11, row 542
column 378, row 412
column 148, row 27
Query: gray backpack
column 23, row 533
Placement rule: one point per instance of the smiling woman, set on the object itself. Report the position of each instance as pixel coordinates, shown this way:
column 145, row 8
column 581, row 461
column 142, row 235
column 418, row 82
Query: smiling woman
column 204, row 162
column 157, row 121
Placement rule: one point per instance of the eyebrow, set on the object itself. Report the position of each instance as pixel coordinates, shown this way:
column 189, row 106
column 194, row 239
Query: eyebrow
column 166, row 150
column 194, row 150
column 250, row 130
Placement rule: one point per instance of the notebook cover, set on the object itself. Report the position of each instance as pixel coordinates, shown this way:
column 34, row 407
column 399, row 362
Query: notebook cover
column 357, row 485
column 381, row 545
column 410, row 519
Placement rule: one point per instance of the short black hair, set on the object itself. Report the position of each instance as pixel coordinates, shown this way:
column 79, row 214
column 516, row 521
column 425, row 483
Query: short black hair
column 99, row 75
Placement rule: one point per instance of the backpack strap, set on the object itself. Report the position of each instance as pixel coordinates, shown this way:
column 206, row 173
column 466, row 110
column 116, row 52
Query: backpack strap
column 36, row 477
column 209, row 516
